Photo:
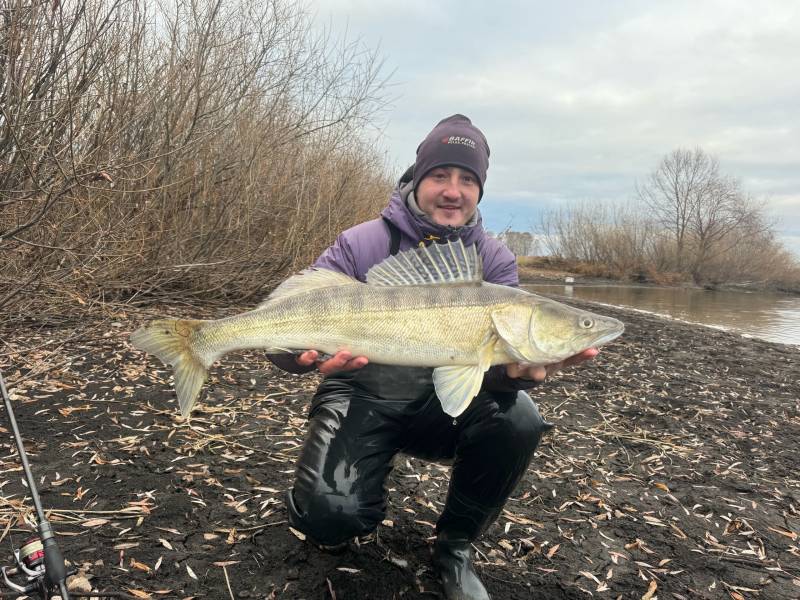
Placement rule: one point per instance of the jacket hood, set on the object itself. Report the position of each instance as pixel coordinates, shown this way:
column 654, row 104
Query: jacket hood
column 419, row 228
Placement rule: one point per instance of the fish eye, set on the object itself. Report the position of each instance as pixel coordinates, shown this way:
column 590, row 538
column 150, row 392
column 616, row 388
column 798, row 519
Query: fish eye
column 586, row 322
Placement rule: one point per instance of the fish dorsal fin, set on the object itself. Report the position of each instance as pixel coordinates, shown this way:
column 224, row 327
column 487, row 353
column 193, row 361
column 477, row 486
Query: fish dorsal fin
column 430, row 265
column 309, row 280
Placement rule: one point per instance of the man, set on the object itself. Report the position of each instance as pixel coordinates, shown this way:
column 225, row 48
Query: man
column 363, row 414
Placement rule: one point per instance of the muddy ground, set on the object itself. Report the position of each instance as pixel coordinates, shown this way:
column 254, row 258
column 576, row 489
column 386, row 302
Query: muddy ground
column 672, row 473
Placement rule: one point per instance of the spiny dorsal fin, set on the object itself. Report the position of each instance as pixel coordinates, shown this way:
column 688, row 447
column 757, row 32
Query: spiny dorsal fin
column 435, row 264
column 308, row 280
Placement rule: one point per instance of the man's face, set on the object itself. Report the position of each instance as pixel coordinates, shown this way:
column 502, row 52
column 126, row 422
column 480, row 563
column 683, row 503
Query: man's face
column 449, row 195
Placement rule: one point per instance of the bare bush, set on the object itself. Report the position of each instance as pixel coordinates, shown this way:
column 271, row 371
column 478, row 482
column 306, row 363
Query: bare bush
column 616, row 237
column 690, row 221
column 192, row 149
column 521, row 243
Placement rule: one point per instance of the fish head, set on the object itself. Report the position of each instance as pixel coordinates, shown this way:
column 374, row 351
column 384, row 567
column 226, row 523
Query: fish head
column 559, row 331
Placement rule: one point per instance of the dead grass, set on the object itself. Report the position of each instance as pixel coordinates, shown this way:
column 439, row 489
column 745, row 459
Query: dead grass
column 191, row 150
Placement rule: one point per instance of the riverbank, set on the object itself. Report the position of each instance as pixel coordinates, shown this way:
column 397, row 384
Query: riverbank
column 672, row 471
column 544, row 270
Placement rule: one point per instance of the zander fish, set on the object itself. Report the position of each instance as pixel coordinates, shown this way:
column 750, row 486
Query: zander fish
column 426, row 307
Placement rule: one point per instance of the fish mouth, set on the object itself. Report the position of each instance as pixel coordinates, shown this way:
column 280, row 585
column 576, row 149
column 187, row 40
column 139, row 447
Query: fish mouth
column 611, row 335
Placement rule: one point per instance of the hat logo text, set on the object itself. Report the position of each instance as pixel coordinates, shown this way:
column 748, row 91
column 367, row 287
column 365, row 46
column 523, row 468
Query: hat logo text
column 457, row 139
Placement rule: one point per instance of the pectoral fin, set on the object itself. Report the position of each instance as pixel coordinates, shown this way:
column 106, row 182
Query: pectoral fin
column 511, row 324
column 457, row 386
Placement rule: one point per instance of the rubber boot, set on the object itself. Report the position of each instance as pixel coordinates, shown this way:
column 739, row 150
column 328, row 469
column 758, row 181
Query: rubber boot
column 452, row 557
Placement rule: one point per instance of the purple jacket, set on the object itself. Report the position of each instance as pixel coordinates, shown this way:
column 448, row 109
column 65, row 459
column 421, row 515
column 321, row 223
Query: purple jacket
column 357, row 249
column 367, row 244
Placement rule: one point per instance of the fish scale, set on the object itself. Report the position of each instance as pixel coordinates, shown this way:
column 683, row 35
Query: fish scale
column 446, row 324
column 425, row 307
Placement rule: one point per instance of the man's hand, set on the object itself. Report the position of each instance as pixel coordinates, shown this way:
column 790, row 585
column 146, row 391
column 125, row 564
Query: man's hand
column 539, row 374
column 341, row 361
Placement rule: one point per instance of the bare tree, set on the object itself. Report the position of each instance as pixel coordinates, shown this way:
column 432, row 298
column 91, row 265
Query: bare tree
column 690, row 221
column 702, row 208
column 683, row 181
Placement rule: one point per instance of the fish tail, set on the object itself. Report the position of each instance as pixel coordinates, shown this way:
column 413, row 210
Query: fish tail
column 171, row 341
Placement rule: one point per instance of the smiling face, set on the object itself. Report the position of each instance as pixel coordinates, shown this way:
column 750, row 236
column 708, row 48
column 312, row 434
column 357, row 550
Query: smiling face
column 448, row 195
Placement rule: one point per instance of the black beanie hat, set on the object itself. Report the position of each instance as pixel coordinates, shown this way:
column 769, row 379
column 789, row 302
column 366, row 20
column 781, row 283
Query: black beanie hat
column 457, row 142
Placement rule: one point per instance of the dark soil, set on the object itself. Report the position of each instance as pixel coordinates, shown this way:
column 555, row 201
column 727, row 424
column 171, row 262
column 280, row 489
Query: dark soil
column 672, row 473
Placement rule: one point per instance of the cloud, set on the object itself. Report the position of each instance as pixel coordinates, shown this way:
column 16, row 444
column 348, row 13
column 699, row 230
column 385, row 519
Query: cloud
column 580, row 99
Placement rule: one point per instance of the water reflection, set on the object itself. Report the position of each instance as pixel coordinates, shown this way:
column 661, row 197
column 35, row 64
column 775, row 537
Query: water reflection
column 773, row 317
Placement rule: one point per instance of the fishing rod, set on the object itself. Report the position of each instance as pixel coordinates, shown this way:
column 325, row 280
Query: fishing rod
column 40, row 559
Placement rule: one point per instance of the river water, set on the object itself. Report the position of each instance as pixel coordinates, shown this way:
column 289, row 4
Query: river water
column 773, row 317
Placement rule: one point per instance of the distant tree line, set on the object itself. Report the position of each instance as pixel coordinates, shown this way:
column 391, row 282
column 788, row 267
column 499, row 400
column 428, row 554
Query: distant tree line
column 521, row 243
column 190, row 149
column 689, row 221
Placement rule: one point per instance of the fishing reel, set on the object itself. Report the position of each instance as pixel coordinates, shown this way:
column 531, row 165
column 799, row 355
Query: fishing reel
column 39, row 561
column 29, row 559
column 40, row 568
column 29, row 571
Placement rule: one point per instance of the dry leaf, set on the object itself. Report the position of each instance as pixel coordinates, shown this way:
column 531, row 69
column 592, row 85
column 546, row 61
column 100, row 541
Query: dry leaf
column 139, row 593
column 680, row 533
column 94, row 522
column 553, row 550
column 651, row 590
column 790, row 534
column 169, row 530
column 428, row 523
column 400, row 562
column 78, row 583
column 191, row 573
column 590, row 576
column 141, row 566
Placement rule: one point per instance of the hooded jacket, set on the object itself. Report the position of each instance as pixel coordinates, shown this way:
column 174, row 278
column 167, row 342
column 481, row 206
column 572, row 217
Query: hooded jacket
column 359, row 248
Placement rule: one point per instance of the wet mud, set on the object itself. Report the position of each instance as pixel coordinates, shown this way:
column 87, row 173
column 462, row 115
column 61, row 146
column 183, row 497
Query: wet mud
column 672, row 472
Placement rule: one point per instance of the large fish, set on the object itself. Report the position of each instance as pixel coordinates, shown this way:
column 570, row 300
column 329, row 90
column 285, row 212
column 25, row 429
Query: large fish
column 426, row 307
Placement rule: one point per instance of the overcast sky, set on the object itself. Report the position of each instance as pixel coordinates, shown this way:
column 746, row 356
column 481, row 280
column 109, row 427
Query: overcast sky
column 580, row 99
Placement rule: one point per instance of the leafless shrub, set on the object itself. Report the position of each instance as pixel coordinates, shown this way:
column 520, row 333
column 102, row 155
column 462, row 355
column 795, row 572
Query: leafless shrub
column 191, row 149
column 521, row 243
column 616, row 238
column 690, row 221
